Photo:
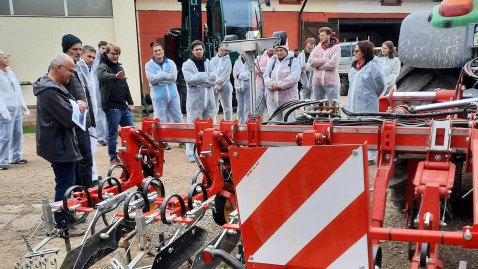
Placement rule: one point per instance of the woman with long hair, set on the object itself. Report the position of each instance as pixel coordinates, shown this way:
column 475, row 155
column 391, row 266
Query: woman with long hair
column 391, row 64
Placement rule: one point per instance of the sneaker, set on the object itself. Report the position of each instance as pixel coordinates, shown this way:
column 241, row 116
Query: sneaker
column 3, row 167
column 182, row 145
column 102, row 143
column 75, row 231
column 167, row 146
column 115, row 161
column 22, row 161
column 371, row 162
column 192, row 158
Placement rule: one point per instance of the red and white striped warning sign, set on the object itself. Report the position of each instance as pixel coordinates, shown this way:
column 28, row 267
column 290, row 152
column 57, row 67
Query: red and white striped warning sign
column 303, row 207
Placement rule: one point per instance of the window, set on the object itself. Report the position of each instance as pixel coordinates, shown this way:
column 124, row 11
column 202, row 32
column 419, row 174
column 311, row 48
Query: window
column 4, row 7
column 57, row 8
column 391, row 2
column 90, row 8
column 44, row 7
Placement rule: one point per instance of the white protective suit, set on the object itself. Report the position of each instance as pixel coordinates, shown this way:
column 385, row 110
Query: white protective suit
column 223, row 67
column 89, row 77
column 305, row 77
column 164, row 92
column 391, row 69
column 366, row 85
column 100, row 116
column 11, row 106
column 287, row 74
column 200, row 103
column 244, row 95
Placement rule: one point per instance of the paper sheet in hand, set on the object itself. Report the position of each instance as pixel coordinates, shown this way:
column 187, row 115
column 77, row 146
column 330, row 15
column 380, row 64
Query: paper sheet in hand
column 79, row 118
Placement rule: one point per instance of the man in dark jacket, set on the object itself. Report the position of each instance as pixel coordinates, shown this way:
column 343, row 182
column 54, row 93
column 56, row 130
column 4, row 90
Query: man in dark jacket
column 115, row 97
column 55, row 136
column 77, row 87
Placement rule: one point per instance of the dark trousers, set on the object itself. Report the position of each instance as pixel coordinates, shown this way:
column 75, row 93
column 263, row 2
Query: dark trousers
column 64, row 178
column 84, row 166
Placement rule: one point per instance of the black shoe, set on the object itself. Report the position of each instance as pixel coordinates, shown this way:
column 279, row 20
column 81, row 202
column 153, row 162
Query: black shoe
column 22, row 161
column 102, row 143
column 3, row 167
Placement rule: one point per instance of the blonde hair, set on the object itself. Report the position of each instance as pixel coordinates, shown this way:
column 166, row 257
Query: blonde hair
column 112, row 46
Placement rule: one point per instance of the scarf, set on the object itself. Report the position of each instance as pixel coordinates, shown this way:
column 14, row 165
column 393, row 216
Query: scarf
column 199, row 63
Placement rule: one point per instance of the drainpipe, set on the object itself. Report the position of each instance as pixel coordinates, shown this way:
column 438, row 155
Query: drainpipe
column 143, row 101
column 300, row 22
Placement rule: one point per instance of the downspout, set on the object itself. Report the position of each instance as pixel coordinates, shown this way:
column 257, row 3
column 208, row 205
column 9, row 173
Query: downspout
column 300, row 22
column 143, row 100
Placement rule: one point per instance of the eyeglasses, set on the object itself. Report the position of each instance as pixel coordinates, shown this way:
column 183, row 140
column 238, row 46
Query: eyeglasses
column 114, row 54
column 356, row 51
column 71, row 70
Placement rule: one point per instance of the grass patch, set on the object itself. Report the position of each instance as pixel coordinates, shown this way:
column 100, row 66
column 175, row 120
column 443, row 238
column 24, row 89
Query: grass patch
column 29, row 129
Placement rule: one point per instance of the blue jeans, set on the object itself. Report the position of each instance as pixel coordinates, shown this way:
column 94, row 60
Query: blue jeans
column 331, row 92
column 261, row 101
column 115, row 117
column 243, row 105
column 64, row 178
column 11, row 136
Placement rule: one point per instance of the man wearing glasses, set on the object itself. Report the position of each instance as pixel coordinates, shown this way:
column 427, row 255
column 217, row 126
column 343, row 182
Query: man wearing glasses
column 115, row 97
column 325, row 59
column 78, row 88
column 55, row 134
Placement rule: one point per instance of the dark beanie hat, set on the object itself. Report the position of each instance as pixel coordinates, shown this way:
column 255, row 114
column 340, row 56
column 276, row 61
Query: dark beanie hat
column 68, row 40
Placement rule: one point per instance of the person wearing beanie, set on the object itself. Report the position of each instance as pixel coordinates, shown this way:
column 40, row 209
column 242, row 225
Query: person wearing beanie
column 11, row 106
column 78, row 88
column 281, row 78
column 325, row 59
column 68, row 40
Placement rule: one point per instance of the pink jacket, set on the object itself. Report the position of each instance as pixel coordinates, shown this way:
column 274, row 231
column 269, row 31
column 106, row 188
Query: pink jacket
column 285, row 76
column 262, row 62
column 325, row 72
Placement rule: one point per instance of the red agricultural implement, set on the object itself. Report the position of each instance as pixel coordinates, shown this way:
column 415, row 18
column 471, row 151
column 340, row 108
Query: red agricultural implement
column 294, row 195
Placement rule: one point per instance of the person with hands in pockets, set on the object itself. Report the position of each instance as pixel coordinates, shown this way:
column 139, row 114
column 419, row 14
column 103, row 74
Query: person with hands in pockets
column 200, row 77
column 11, row 106
column 281, row 81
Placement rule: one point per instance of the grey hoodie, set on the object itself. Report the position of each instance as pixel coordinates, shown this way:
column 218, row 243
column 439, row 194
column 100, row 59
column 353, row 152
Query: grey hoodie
column 55, row 137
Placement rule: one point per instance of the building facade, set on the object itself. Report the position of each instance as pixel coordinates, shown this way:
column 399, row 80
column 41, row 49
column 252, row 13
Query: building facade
column 33, row 31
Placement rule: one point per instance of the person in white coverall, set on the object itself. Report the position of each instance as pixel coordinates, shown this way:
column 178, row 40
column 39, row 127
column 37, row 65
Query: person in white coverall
column 11, row 106
column 281, row 81
column 161, row 73
column 243, row 89
column 100, row 118
column 223, row 87
column 260, row 92
column 306, row 76
column 390, row 64
column 200, row 77
column 85, row 64
column 367, row 83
